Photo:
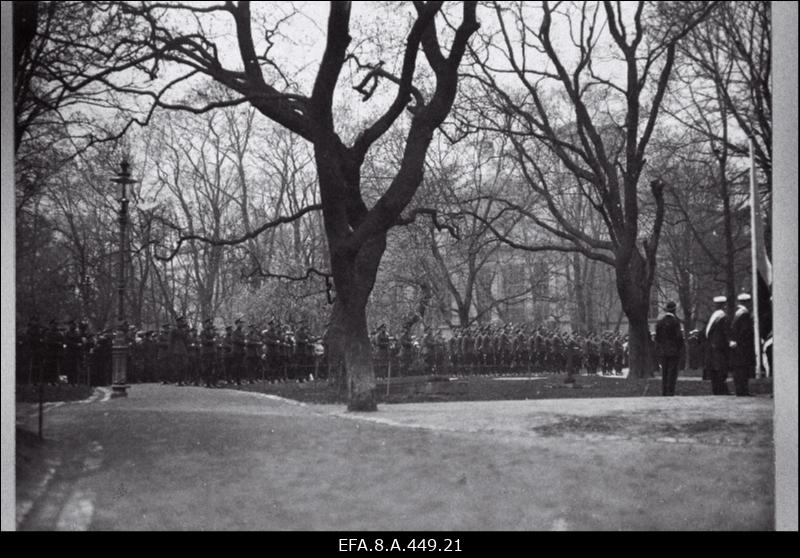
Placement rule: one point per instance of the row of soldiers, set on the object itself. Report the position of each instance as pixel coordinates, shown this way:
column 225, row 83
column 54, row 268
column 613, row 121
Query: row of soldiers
column 279, row 352
column 69, row 349
column 174, row 354
column 504, row 349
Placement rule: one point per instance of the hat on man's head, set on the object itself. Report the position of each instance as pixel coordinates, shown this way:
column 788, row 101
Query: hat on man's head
column 744, row 297
column 671, row 306
column 720, row 299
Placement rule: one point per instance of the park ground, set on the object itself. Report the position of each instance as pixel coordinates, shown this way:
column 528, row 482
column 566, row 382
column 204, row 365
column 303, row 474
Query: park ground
column 499, row 388
column 191, row 458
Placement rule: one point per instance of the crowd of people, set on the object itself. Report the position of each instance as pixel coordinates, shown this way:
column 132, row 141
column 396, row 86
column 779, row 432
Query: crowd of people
column 498, row 349
column 246, row 353
column 177, row 354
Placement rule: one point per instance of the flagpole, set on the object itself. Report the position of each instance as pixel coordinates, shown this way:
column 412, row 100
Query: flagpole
column 754, row 260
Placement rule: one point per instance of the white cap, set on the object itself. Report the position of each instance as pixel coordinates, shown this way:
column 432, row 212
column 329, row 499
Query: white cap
column 744, row 296
column 719, row 299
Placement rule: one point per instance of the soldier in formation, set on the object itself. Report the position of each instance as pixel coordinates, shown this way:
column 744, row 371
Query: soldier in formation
column 381, row 342
column 208, row 349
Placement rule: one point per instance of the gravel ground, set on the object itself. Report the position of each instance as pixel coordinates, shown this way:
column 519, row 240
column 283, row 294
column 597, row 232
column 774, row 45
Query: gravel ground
column 170, row 458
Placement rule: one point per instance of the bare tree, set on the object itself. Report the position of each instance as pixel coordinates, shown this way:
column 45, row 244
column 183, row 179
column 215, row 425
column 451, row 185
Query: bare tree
column 730, row 56
column 722, row 94
column 356, row 234
column 598, row 128
column 706, row 240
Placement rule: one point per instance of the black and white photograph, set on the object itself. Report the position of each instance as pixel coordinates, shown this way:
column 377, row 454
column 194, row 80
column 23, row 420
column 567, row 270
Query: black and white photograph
column 408, row 271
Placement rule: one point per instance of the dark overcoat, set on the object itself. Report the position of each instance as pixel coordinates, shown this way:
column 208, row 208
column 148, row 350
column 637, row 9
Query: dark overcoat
column 716, row 354
column 742, row 353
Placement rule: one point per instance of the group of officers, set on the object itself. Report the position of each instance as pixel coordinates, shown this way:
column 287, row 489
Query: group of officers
column 177, row 353
column 727, row 342
column 498, row 349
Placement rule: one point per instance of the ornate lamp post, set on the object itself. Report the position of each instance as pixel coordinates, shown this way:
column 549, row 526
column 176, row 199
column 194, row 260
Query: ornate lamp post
column 119, row 350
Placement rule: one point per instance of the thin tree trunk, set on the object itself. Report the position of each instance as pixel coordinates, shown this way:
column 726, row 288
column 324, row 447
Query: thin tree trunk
column 579, row 291
column 730, row 272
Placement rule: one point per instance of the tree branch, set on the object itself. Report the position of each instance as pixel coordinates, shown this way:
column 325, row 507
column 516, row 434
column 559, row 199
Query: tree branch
column 238, row 240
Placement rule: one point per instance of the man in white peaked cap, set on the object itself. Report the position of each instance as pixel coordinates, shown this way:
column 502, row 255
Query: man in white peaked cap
column 742, row 358
column 716, row 354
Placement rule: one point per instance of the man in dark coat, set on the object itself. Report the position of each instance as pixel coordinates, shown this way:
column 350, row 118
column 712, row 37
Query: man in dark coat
column 454, row 359
column 149, row 356
column 558, row 354
column 252, row 349
column 34, row 338
column 572, row 357
column 716, row 354
column 467, row 351
column 193, row 367
column 226, row 346
column 272, row 340
column 429, row 350
column 742, row 358
column 304, row 355
column 179, row 350
column 382, row 351
column 102, row 361
column 669, row 348
column 592, row 351
column 606, row 355
column 406, row 351
column 521, row 351
column 239, row 339
column 619, row 346
column 208, row 350
column 163, row 356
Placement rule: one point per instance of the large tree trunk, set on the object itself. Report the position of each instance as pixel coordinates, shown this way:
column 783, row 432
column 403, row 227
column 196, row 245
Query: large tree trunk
column 348, row 337
column 334, row 347
column 634, row 293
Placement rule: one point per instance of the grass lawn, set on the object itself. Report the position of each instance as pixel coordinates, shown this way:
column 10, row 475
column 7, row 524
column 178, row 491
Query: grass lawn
column 513, row 388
